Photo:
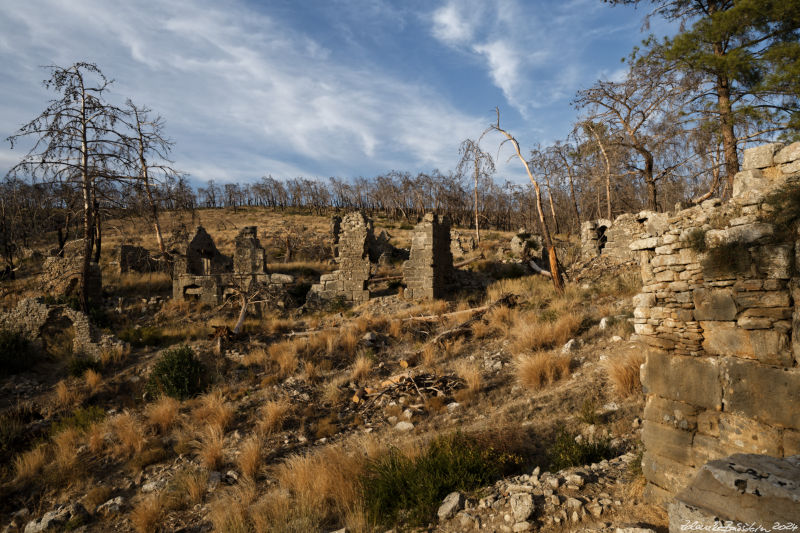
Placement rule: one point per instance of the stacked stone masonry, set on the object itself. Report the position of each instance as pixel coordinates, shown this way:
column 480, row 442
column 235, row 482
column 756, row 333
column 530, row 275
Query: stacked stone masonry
column 613, row 239
column 61, row 275
column 429, row 269
column 720, row 313
column 203, row 273
column 353, row 258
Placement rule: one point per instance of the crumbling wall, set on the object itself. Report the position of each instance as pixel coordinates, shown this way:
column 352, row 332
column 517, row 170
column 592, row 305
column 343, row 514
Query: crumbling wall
column 129, row 258
column 461, row 243
column 349, row 281
column 720, row 313
column 31, row 317
column 612, row 239
column 429, row 269
column 249, row 256
column 61, row 276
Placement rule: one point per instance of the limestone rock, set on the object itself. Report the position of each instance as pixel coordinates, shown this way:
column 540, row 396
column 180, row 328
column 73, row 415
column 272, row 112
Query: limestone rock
column 452, row 503
column 760, row 156
column 521, row 506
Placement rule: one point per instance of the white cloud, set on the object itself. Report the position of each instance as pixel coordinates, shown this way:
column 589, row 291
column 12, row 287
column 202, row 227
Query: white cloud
column 504, row 65
column 450, row 26
column 242, row 95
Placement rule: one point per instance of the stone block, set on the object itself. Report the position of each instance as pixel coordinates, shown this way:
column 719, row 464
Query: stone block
column 767, row 394
column 667, row 441
column 745, row 234
column 787, row 154
column 644, row 244
column 791, row 442
column 669, row 475
column 776, row 262
column 743, row 435
column 670, row 413
column 706, row 448
column 692, row 380
column 725, row 338
column 747, row 181
column 749, row 299
column 743, row 489
column 760, row 156
column 714, row 304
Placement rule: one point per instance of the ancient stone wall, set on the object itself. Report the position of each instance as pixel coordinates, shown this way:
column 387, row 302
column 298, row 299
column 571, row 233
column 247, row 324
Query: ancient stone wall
column 461, row 243
column 32, row 316
column 249, row 256
column 349, row 281
column 612, row 239
column 429, row 269
column 61, row 276
column 720, row 313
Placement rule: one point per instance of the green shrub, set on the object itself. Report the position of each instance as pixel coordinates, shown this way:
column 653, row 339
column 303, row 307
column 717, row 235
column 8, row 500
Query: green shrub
column 397, row 487
column 78, row 365
column 81, row 418
column 16, row 354
column 566, row 451
column 178, row 373
column 144, row 336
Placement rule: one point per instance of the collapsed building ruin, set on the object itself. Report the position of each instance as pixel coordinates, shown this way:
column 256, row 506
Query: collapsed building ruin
column 720, row 314
column 612, row 239
column 349, row 281
column 429, row 269
column 61, row 274
column 203, row 273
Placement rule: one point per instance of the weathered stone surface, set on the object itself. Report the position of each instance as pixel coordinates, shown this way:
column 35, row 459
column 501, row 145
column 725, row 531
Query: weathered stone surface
column 671, row 413
column 768, row 394
column 748, row 181
column 714, row 304
column 742, row 488
column 745, row 234
column 429, row 269
column 353, row 258
column 745, row 435
column 725, row 338
column 666, row 474
column 452, row 503
column 692, row 380
column 521, row 506
column 788, row 154
column 669, row 442
column 760, row 156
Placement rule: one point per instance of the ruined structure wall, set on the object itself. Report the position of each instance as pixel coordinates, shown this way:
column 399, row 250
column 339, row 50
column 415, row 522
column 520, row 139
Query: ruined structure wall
column 430, row 266
column 720, row 314
column 613, row 239
column 349, row 281
column 60, row 276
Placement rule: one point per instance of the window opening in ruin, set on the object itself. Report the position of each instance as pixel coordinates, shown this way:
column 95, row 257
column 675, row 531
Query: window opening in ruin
column 601, row 238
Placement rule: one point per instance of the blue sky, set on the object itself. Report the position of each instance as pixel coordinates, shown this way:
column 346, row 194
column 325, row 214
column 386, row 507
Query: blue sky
column 323, row 88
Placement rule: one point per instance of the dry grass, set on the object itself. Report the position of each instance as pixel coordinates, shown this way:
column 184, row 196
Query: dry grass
column 65, row 446
column 532, row 288
column 65, row 396
column 332, row 390
column 250, row 457
column 213, row 410
column 284, row 355
column 623, row 372
column 481, row 330
column 541, row 368
column 97, row 495
column 362, row 366
column 29, row 465
column 94, row 380
column 257, row 356
column 347, row 343
column 129, row 434
column 115, row 355
column 471, row 374
column 396, row 329
column 96, row 437
column 530, row 333
column 211, row 447
column 232, row 512
column 429, row 355
column 501, row 320
column 454, row 348
column 146, row 514
column 273, row 415
column 163, row 413
column 190, row 485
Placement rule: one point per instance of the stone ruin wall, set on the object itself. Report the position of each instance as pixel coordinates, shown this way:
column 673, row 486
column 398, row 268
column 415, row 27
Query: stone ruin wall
column 613, row 239
column 723, row 332
column 349, row 281
column 60, row 276
column 429, row 269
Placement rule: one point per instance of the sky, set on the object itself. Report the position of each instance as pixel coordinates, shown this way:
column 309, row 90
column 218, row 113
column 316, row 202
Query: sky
column 323, row 88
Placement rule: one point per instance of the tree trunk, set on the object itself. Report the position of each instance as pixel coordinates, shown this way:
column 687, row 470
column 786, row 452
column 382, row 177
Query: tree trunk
column 477, row 231
column 727, row 131
column 88, row 225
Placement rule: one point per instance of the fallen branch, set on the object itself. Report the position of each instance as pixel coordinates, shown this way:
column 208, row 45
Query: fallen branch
column 539, row 270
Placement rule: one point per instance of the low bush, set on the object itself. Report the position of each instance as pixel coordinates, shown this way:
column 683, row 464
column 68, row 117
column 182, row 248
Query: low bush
column 399, row 487
column 78, row 365
column 16, row 354
column 81, row 419
column 566, row 451
column 178, row 373
column 144, row 336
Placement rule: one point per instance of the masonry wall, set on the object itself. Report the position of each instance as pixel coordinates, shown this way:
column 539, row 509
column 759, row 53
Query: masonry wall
column 613, row 239
column 349, row 281
column 429, row 268
column 720, row 314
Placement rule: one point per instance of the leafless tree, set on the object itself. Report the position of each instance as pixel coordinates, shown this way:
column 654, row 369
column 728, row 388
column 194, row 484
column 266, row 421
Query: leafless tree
column 481, row 166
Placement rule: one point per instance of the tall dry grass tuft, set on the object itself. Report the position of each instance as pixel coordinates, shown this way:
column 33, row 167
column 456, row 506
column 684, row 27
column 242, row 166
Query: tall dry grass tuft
column 273, row 414
column 481, row 330
column 231, row 512
column 257, row 356
column 114, row 355
column 284, row 355
column 430, row 354
column 146, row 514
column 541, row 368
column 347, row 343
column 623, row 371
column 453, row 348
column 214, row 410
column 96, row 437
column 324, row 484
column 65, row 448
column 29, row 465
column 190, row 486
column 65, row 396
column 531, row 333
column 129, row 435
column 211, row 447
column 94, row 380
column 501, row 320
column 250, row 456
column 396, row 329
column 362, row 366
column 471, row 374
column 163, row 413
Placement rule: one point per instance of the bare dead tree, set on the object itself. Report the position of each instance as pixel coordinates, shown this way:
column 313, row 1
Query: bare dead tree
column 482, row 168
column 555, row 268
